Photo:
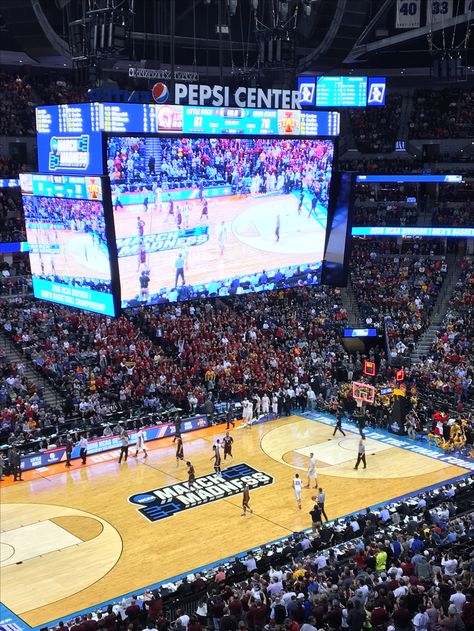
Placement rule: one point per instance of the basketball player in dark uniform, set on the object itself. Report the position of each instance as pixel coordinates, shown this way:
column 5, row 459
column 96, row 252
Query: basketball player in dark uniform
column 204, row 211
column 141, row 254
column 338, row 424
column 144, row 282
column 140, row 227
column 246, row 500
column 177, row 428
column 179, row 450
column 227, row 442
column 191, row 474
column 230, row 417
column 217, row 459
column 69, row 446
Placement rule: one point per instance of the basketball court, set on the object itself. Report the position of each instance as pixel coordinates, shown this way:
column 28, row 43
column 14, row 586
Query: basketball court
column 241, row 233
column 74, row 539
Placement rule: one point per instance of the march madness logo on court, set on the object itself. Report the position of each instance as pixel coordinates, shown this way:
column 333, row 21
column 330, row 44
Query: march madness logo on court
column 162, row 241
column 169, row 500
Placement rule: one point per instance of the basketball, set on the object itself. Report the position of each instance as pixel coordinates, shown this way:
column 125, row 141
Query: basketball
column 160, row 93
column 314, row 498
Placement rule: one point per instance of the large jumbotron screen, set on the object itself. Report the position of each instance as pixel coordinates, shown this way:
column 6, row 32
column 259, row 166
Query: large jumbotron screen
column 197, row 217
column 66, row 233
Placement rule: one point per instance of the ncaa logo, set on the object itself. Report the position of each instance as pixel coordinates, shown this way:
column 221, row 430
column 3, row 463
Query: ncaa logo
column 144, row 498
column 376, row 94
column 160, row 93
column 307, row 89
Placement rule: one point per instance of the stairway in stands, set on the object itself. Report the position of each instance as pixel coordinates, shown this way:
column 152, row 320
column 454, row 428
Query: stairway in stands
column 439, row 310
column 14, row 356
column 349, row 302
column 153, row 148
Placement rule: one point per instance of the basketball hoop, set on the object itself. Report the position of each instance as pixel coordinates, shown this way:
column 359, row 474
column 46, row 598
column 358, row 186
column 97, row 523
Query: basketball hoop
column 363, row 393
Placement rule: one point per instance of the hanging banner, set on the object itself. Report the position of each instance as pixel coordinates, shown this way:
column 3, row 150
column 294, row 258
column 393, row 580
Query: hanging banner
column 439, row 11
column 408, row 14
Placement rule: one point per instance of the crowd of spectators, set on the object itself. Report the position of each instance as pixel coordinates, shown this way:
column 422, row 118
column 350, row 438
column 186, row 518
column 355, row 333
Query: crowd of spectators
column 388, row 214
column 12, row 225
column 381, row 166
column 448, row 370
column 248, row 165
column 375, row 129
column 22, row 401
column 177, row 352
column 452, row 215
column 10, row 168
column 447, row 113
column 79, row 215
column 400, row 290
column 404, row 566
column 21, row 94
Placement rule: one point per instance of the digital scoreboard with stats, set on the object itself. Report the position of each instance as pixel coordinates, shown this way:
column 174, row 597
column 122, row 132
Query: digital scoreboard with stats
column 341, row 91
column 69, row 137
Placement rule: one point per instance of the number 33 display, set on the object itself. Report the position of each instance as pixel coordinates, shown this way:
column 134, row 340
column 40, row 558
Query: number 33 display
column 440, row 10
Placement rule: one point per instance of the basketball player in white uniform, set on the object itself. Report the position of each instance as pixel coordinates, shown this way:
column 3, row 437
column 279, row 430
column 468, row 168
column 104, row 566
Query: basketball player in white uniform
column 265, row 405
column 297, row 486
column 140, row 443
column 158, row 199
column 275, row 405
column 247, row 413
column 312, row 471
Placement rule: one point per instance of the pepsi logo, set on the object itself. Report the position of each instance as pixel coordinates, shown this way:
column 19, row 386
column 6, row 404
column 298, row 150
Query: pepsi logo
column 160, row 93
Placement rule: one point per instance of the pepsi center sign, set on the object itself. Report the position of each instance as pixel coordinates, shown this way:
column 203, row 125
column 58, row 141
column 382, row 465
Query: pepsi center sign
column 223, row 96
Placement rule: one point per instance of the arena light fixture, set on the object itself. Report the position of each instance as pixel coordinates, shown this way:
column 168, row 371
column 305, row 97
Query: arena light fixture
column 283, row 10
column 307, row 7
column 232, row 4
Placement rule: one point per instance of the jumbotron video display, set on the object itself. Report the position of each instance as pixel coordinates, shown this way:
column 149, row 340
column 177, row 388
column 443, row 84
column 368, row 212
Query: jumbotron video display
column 65, row 228
column 197, row 217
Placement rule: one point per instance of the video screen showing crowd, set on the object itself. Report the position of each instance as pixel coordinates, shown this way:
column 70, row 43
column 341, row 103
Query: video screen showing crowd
column 203, row 217
column 67, row 241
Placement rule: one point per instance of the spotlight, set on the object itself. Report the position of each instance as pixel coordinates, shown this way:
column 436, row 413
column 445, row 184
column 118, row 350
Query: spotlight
column 283, row 10
column 232, row 6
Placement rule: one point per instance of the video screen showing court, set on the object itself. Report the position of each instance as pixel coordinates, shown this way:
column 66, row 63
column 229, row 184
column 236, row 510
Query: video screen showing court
column 201, row 217
column 66, row 233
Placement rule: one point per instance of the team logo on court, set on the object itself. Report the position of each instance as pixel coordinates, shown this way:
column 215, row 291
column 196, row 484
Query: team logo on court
column 169, row 500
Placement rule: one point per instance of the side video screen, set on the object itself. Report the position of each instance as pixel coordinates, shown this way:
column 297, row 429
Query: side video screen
column 66, row 233
column 198, row 217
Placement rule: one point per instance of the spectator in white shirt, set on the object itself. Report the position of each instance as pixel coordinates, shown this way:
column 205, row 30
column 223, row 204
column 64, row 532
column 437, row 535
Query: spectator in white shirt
column 458, row 599
column 449, row 565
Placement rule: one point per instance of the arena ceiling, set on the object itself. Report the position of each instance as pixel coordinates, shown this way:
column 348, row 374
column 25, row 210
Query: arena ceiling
column 248, row 38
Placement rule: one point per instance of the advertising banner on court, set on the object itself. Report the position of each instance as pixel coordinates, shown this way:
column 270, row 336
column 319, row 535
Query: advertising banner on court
column 106, row 443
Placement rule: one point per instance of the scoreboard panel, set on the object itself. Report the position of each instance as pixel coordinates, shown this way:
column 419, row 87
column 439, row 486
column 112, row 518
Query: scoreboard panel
column 69, row 137
column 341, row 92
